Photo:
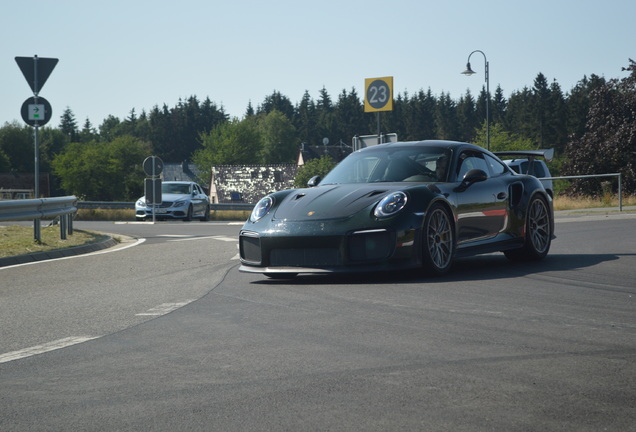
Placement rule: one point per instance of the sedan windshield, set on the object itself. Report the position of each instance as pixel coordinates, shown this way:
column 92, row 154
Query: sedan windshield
column 175, row 188
column 392, row 164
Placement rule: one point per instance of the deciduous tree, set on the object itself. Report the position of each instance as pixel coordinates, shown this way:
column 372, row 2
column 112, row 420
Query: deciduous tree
column 110, row 171
column 609, row 143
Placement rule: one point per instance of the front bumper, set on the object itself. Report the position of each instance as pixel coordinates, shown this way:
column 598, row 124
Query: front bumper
column 361, row 250
column 161, row 212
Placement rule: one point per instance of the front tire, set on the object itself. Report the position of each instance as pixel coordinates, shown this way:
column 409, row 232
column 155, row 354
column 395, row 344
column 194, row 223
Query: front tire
column 206, row 215
column 438, row 241
column 188, row 216
column 538, row 233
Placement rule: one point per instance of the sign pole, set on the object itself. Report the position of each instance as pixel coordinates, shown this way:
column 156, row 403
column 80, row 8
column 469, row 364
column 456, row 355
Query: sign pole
column 36, row 112
column 153, row 166
column 37, row 232
column 378, row 97
column 154, row 190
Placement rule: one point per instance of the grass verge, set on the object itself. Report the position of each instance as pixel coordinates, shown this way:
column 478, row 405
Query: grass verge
column 19, row 240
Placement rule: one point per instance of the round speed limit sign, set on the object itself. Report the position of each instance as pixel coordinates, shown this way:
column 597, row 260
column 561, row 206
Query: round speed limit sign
column 378, row 94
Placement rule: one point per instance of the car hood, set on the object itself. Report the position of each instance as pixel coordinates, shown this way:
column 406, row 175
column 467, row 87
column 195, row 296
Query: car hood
column 172, row 197
column 175, row 197
column 332, row 201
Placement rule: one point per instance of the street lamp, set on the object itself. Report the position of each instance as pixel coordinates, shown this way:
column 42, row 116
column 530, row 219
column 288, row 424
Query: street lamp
column 469, row 72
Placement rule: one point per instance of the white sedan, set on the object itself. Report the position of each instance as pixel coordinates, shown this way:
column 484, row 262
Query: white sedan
column 180, row 200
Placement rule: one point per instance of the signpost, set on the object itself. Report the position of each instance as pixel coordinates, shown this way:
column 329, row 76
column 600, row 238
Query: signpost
column 36, row 111
column 378, row 97
column 153, row 167
column 379, row 94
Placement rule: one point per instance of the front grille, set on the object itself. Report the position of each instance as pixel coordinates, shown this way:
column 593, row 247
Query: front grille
column 250, row 249
column 369, row 246
column 307, row 257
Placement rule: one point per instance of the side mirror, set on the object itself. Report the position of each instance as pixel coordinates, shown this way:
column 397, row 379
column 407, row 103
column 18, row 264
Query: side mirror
column 472, row 176
column 314, row 181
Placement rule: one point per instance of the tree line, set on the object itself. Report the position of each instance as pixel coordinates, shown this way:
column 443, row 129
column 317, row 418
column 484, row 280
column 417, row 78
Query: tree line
column 104, row 162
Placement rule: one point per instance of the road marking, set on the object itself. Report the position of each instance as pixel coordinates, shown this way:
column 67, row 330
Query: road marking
column 191, row 238
column 594, row 218
column 225, row 239
column 165, row 308
column 40, row 349
column 113, row 249
column 221, row 238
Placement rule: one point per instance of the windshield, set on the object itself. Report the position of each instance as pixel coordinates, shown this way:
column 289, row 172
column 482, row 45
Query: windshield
column 175, row 188
column 392, row 164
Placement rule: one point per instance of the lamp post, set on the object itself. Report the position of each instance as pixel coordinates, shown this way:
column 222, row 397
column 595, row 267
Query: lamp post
column 469, row 72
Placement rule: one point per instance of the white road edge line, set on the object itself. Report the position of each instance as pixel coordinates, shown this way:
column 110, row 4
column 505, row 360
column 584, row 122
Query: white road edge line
column 221, row 238
column 138, row 242
column 40, row 349
column 165, row 308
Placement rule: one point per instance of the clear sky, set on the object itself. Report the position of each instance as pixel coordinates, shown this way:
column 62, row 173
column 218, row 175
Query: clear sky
column 119, row 55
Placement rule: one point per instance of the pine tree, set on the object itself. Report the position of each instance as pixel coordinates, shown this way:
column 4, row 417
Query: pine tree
column 68, row 125
column 88, row 132
column 498, row 107
column 466, row 118
column 305, row 120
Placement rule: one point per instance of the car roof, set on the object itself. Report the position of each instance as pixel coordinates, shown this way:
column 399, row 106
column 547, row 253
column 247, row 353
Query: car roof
column 516, row 162
column 432, row 143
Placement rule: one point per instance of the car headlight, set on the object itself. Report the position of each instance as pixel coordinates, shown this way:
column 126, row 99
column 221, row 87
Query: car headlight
column 390, row 205
column 261, row 208
column 179, row 203
column 141, row 202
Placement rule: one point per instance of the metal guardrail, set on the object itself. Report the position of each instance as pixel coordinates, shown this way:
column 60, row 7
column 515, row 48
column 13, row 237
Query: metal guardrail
column 131, row 205
column 111, row 205
column 620, row 183
column 41, row 208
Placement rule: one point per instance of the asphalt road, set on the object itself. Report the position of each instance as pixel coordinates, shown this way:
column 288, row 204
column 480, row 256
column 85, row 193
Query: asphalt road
column 166, row 334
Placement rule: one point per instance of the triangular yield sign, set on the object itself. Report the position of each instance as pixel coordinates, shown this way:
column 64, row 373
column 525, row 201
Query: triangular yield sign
column 44, row 68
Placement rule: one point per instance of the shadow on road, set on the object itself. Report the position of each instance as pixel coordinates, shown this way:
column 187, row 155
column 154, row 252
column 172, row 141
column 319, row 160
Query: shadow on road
column 483, row 267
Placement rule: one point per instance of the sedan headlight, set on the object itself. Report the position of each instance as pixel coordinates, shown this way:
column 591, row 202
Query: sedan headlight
column 390, row 205
column 262, row 208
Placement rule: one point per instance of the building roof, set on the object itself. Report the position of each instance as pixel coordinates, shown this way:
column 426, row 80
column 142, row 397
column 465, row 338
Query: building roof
column 183, row 171
column 25, row 181
column 249, row 183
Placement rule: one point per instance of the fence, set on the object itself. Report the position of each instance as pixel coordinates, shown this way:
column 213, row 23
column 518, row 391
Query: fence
column 620, row 183
column 131, row 205
column 41, row 208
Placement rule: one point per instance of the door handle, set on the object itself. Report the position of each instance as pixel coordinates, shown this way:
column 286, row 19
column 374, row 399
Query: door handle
column 502, row 196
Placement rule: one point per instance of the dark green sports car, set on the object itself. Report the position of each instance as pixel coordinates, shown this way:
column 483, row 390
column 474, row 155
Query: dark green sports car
column 396, row 206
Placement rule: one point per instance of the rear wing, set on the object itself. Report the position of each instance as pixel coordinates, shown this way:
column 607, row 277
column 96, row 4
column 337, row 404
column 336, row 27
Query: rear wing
column 548, row 155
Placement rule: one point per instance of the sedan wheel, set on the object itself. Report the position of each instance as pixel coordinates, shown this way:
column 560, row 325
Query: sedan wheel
column 188, row 217
column 206, row 214
column 438, row 241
